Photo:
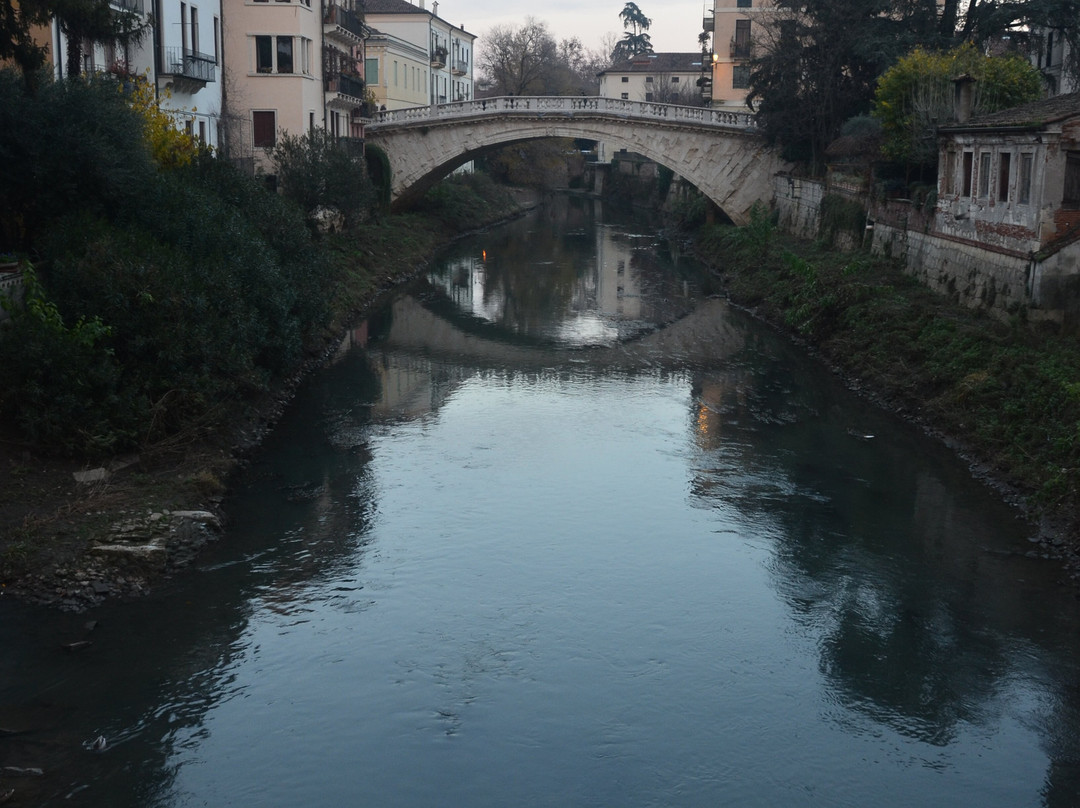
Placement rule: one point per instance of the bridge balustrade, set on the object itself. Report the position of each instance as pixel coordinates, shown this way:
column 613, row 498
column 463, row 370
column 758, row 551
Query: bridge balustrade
column 568, row 106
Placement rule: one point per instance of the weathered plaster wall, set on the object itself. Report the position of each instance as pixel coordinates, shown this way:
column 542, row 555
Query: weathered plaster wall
column 798, row 204
column 969, row 274
column 999, row 281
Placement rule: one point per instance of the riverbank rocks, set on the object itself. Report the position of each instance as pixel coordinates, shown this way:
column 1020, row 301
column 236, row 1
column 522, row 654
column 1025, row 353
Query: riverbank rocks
column 148, row 544
column 133, row 553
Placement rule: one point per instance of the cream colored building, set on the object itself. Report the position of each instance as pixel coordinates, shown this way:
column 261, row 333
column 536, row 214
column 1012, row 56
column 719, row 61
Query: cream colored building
column 396, row 71
column 292, row 65
column 734, row 27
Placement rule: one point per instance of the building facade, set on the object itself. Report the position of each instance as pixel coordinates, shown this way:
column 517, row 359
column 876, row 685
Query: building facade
column 1052, row 54
column 416, row 57
column 292, row 66
column 733, row 26
column 186, row 67
column 179, row 52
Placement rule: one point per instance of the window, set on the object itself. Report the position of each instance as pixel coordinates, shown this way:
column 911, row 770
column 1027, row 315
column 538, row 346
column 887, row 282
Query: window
column 625, row 79
column 965, row 188
column 743, row 4
column 648, row 79
column 674, row 79
column 284, row 54
column 1070, row 197
column 195, row 29
column 202, row 131
column 264, row 54
column 1023, row 184
column 183, row 26
column 305, row 56
column 950, row 172
column 984, row 174
column 217, row 41
column 740, row 46
column 740, row 77
column 264, row 127
column 371, row 71
column 625, row 96
column 648, row 96
column 1004, row 166
column 395, row 73
column 311, row 121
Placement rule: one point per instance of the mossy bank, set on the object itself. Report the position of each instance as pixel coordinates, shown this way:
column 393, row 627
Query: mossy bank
column 1004, row 395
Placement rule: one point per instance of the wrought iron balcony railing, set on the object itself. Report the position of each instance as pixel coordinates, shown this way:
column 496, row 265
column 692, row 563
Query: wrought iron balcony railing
column 344, row 18
column 346, row 85
column 189, row 64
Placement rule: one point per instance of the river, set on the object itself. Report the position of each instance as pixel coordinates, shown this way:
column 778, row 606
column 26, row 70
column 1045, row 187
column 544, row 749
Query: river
column 559, row 527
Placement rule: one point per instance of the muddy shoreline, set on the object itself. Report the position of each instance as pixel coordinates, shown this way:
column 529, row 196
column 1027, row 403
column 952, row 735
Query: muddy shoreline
column 140, row 524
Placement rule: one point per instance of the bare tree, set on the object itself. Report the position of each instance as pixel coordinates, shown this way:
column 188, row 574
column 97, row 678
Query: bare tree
column 526, row 60
column 516, row 60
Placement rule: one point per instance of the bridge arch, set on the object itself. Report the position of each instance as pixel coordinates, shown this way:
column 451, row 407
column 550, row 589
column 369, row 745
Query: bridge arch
column 718, row 152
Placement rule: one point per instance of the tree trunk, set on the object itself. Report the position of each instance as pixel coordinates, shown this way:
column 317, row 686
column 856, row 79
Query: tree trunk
column 74, row 55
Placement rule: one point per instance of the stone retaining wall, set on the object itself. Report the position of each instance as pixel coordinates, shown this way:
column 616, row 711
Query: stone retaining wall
column 1000, row 281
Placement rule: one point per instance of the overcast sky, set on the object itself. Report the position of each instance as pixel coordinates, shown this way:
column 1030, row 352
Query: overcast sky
column 675, row 25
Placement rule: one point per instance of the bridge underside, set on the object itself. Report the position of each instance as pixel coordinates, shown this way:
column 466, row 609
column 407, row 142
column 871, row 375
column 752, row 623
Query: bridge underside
column 733, row 168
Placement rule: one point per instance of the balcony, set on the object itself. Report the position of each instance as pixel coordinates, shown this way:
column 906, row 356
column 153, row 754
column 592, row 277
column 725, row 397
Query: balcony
column 346, row 85
column 460, row 67
column 343, row 21
column 188, row 64
column 708, row 22
column 438, row 58
column 740, row 50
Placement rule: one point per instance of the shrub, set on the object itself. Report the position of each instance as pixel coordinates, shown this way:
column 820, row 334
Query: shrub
column 318, row 171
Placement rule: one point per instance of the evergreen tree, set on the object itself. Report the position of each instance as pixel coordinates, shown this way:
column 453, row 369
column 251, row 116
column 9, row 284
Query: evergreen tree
column 635, row 40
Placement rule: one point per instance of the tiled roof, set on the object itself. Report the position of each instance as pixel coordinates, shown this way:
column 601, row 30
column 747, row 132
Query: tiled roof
column 659, row 63
column 392, row 7
column 1035, row 114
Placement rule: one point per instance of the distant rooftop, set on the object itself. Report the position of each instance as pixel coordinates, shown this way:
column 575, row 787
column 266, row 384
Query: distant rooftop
column 658, row 63
column 1033, row 115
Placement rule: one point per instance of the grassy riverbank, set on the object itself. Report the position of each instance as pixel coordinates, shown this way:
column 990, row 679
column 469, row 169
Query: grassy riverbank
column 49, row 522
column 1004, row 394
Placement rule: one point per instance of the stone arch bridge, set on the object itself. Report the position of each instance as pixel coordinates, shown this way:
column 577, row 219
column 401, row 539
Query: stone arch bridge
column 718, row 152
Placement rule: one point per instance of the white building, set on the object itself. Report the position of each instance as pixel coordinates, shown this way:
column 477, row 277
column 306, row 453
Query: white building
column 187, row 63
column 180, row 53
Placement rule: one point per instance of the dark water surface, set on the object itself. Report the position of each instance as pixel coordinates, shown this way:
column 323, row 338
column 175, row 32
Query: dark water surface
column 558, row 529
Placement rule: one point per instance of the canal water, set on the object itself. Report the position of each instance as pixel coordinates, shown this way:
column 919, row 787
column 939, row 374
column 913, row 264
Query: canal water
column 558, row 527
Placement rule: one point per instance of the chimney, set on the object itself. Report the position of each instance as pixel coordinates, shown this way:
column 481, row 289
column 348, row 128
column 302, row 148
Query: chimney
column 963, row 97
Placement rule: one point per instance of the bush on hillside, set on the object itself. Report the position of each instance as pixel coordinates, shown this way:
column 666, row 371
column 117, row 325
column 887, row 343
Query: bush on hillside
column 168, row 291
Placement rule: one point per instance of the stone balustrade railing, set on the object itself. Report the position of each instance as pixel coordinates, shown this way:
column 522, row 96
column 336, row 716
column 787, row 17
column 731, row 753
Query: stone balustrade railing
column 568, row 106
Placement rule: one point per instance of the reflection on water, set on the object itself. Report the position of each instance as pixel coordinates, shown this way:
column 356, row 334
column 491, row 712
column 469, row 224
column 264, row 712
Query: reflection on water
column 557, row 528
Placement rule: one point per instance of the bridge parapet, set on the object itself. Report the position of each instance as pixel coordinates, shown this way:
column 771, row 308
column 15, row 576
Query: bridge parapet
column 569, row 106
